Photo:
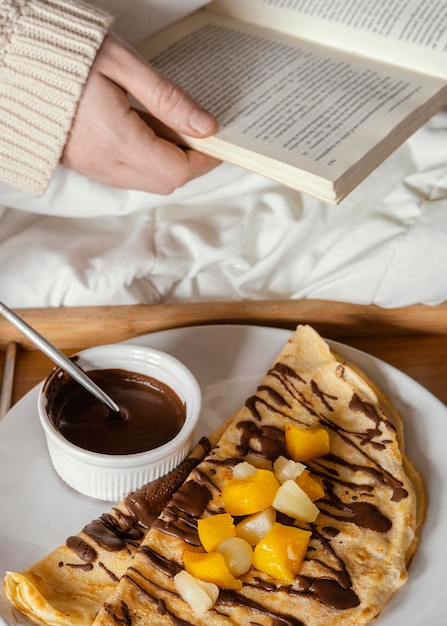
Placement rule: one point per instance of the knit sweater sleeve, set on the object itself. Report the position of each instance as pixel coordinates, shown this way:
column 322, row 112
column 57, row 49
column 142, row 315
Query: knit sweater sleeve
column 46, row 50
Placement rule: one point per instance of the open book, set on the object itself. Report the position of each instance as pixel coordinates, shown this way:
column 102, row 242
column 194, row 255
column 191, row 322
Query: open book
column 314, row 94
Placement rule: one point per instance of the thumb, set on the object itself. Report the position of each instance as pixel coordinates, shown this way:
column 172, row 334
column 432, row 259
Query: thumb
column 164, row 99
column 171, row 105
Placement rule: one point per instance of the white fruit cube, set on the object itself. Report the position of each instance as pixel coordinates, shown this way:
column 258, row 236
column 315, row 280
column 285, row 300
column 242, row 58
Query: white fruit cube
column 244, row 469
column 201, row 596
column 254, row 527
column 238, row 555
column 291, row 500
column 286, row 469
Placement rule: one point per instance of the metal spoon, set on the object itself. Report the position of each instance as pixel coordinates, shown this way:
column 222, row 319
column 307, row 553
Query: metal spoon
column 58, row 357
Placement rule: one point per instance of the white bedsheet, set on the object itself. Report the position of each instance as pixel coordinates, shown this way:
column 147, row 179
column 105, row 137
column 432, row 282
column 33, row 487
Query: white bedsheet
column 233, row 235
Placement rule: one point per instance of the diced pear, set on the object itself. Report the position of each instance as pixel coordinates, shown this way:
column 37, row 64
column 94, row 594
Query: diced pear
column 291, row 500
column 253, row 527
column 214, row 529
column 238, row 555
column 244, row 469
column 286, row 469
column 254, row 493
column 201, row 596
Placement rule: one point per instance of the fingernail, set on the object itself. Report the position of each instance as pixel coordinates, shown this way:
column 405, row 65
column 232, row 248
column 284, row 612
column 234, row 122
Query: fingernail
column 202, row 121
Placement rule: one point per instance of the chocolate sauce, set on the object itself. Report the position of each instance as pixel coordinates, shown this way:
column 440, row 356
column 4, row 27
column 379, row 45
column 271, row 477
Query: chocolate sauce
column 151, row 413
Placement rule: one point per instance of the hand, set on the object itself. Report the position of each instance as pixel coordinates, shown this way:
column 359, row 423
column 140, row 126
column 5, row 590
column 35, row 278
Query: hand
column 110, row 142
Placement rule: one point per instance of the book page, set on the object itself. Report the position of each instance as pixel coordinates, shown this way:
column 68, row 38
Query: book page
column 410, row 33
column 302, row 104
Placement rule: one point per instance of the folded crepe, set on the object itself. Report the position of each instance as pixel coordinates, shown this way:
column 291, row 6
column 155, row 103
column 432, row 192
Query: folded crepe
column 362, row 540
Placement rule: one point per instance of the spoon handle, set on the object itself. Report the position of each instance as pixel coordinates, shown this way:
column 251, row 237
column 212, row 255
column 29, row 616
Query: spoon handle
column 57, row 356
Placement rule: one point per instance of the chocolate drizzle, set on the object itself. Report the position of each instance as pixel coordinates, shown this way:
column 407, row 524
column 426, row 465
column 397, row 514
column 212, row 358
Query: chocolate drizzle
column 371, row 413
column 381, row 477
column 266, row 441
column 106, row 533
column 85, row 567
column 230, row 599
column 275, row 397
column 330, row 593
column 82, row 549
column 168, row 567
column 148, row 502
column 119, row 615
column 116, row 612
column 323, row 397
column 109, row 572
column 180, row 515
column 293, row 383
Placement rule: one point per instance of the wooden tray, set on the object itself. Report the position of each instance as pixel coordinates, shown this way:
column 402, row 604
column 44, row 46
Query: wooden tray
column 413, row 339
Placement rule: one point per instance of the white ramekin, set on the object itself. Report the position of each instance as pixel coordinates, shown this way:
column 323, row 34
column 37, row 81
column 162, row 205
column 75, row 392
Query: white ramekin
column 111, row 477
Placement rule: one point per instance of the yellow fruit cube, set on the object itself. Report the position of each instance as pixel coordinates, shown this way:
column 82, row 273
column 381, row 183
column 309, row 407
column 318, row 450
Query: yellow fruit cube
column 282, row 551
column 211, row 568
column 254, row 493
column 215, row 529
column 304, row 444
column 310, row 485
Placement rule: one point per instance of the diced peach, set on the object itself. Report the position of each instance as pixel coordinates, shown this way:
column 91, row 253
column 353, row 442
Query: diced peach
column 304, row 444
column 310, row 485
column 211, row 568
column 214, row 529
column 282, row 551
column 245, row 496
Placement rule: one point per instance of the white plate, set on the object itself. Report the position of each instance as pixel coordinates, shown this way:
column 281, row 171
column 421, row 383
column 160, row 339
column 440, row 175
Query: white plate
column 38, row 512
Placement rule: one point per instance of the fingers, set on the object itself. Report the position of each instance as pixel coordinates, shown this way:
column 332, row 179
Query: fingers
column 127, row 176
column 110, row 143
column 170, row 165
column 163, row 98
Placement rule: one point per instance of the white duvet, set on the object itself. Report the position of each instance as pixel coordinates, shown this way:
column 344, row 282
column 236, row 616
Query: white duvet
column 232, row 235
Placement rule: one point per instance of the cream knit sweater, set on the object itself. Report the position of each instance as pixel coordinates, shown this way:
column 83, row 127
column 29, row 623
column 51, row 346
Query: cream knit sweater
column 46, row 50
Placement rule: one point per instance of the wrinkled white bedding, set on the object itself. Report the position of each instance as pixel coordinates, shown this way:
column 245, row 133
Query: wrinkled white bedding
column 233, row 235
